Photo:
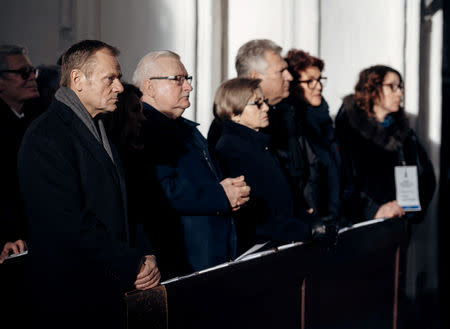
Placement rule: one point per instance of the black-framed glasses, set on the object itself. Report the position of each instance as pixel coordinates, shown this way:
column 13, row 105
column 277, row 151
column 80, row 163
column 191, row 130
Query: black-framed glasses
column 394, row 86
column 180, row 79
column 259, row 103
column 24, row 72
column 312, row 83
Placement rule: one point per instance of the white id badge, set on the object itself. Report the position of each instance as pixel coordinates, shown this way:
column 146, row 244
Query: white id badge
column 407, row 188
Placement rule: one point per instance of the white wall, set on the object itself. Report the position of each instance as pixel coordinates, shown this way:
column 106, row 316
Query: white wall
column 356, row 34
column 140, row 26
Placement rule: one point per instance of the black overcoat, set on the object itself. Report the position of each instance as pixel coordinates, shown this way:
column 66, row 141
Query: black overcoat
column 270, row 214
column 81, row 261
column 370, row 153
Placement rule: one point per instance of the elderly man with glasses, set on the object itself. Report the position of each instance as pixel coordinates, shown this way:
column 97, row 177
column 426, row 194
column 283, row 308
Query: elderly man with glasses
column 193, row 209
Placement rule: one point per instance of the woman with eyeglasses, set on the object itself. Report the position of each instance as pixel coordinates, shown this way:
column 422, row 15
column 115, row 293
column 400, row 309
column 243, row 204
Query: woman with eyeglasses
column 243, row 149
column 376, row 141
column 310, row 119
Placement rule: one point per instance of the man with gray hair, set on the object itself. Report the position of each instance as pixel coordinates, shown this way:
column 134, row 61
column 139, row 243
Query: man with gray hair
column 260, row 59
column 197, row 197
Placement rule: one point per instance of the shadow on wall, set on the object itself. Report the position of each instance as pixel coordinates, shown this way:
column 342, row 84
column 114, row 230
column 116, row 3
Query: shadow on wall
column 136, row 29
column 422, row 281
column 47, row 27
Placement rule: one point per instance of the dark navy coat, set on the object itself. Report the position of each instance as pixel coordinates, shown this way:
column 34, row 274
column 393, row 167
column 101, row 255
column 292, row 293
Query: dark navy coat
column 191, row 183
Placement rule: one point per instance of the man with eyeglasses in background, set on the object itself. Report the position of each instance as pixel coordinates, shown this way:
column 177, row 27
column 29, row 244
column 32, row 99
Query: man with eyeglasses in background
column 17, row 87
column 193, row 209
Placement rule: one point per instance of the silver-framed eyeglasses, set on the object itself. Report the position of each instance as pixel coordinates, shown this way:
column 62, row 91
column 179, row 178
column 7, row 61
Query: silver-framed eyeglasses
column 259, row 103
column 394, row 86
column 179, row 79
column 312, row 83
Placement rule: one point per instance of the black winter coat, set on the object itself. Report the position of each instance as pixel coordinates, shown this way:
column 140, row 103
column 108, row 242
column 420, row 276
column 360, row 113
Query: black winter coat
column 269, row 215
column 12, row 210
column 299, row 161
column 81, row 261
column 370, row 152
column 315, row 123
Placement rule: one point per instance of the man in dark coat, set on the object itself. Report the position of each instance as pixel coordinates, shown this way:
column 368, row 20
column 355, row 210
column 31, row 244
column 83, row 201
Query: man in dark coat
column 81, row 258
column 196, row 193
column 260, row 59
column 17, row 88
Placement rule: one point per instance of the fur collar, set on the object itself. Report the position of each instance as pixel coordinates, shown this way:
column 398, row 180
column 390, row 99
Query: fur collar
column 390, row 138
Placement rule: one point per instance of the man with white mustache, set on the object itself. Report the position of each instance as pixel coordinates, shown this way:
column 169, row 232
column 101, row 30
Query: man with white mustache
column 192, row 202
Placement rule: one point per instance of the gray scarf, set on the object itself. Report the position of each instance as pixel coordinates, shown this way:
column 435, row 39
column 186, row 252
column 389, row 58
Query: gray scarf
column 67, row 96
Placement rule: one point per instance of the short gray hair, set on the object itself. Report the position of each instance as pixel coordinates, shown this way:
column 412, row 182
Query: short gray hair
column 9, row 50
column 251, row 56
column 146, row 65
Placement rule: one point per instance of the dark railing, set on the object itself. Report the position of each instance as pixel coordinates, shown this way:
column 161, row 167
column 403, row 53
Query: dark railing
column 359, row 284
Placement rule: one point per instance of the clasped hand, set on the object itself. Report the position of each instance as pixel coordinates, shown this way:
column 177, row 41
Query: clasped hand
column 237, row 191
column 148, row 276
column 12, row 247
column 389, row 210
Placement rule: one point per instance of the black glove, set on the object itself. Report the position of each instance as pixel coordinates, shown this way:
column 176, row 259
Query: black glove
column 324, row 230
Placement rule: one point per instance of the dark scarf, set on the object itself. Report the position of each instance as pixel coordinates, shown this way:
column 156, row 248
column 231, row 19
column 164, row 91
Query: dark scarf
column 295, row 144
column 319, row 124
column 68, row 97
column 388, row 136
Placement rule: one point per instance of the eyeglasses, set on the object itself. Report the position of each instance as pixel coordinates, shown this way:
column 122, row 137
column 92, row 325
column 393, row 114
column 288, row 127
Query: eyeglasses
column 24, row 72
column 259, row 103
column 312, row 83
column 394, row 87
column 180, row 79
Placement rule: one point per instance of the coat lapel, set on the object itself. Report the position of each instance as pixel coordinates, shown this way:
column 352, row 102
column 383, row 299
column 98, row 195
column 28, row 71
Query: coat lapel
column 98, row 152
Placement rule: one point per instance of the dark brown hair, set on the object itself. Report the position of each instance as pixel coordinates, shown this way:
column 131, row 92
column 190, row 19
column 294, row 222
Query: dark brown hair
column 79, row 56
column 298, row 61
column 369, row 86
